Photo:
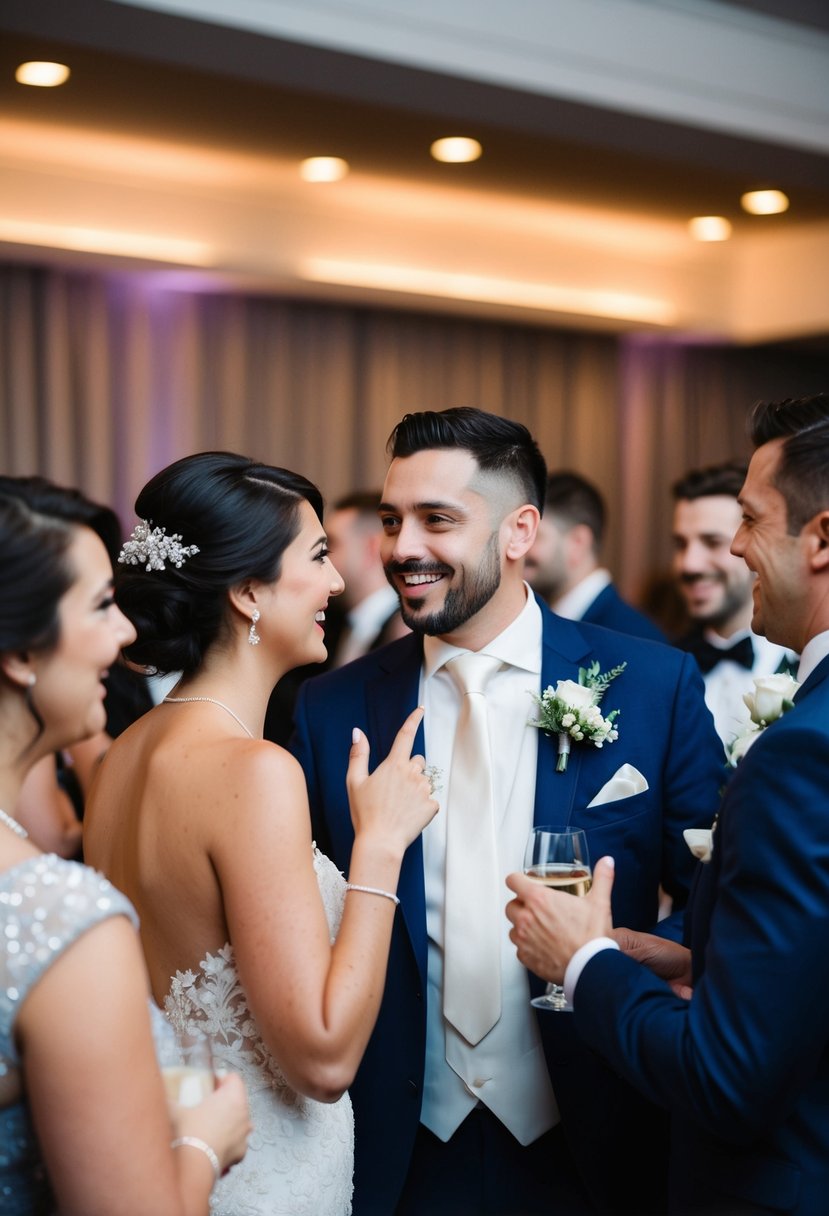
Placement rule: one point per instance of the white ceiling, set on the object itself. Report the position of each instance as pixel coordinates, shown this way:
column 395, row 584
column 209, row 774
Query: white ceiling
column 606, row 124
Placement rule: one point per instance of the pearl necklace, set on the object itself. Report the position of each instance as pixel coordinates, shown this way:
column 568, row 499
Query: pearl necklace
column 16, row 827
column 213, row 701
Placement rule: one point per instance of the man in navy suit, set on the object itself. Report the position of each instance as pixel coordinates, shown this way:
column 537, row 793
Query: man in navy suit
column 732, row 1034
column 564, row 563
column 460, row 509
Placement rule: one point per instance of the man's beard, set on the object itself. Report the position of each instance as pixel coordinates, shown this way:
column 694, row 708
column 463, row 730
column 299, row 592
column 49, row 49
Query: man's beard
column 734, row 599
column 461, row 603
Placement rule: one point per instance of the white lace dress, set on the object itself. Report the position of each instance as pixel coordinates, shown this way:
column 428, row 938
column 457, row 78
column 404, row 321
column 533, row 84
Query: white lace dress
column 300, row 1157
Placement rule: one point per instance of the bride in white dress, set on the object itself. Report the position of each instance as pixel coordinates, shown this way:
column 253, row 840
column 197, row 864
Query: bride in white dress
column 248, row 931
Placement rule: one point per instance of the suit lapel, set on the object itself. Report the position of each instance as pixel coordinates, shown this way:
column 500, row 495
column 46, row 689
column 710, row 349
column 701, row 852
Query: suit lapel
column 390, row 698
column 563, row 651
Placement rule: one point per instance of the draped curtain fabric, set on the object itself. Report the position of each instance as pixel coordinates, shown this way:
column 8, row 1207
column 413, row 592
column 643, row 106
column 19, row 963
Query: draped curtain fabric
column 105, row 378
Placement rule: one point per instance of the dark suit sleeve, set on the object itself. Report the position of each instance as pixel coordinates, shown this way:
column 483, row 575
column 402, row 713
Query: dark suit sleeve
column 736, row 1058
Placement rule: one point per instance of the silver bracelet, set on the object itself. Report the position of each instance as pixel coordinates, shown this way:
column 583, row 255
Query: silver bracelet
column 203, row 1147
column 354, row 886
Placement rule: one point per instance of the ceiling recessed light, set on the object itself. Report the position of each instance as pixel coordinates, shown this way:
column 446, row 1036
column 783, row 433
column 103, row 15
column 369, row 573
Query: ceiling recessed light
column 709, row 228
column 323, row 169
column 41, row 73
column 764, row 202
column 456, row 149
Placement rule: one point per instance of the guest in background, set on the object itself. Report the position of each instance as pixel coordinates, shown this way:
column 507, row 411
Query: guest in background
column 731, row 1037
column 564, row 564
column 717, row 587
column 372, row 611
column 453, row 1117
column 84, row 1122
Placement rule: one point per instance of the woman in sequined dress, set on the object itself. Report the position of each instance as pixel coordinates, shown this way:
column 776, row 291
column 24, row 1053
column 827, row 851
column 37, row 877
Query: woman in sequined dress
column 206, row 826
column 84, row 1123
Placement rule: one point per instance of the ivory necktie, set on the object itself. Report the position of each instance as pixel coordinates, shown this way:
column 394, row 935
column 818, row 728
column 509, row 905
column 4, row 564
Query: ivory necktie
column 473, row 911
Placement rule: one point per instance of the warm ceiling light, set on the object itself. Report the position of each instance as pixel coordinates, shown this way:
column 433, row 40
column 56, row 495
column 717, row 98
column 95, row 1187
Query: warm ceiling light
column 764, row 202
column 39, row 72
column 323, row 169
column 709, row 228
column 456, row 150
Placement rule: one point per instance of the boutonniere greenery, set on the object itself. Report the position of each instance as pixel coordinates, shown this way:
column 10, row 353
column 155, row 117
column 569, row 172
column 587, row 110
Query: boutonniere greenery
column 773, row 696
column 571, row 711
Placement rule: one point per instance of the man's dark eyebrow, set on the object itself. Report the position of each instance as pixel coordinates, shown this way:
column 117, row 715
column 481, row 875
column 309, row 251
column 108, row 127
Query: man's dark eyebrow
column 437, row 505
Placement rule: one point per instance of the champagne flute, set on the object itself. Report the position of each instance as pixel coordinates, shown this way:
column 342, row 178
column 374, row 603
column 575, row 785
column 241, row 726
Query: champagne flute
column 557, row 858
column 186, row 1060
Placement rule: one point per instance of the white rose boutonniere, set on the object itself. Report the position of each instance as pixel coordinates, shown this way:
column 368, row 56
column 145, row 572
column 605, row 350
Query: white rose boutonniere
column 773, row 696
column 570, row 710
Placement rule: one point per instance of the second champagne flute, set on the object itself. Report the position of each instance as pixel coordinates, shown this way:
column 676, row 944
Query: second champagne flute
column 557, row 857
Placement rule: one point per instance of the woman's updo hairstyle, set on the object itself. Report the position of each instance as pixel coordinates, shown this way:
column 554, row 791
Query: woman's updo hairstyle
column 35, row 574
column 241, row 516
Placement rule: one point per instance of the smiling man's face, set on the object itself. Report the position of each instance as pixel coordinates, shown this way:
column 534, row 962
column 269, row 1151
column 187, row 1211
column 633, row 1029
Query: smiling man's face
column 442, row 549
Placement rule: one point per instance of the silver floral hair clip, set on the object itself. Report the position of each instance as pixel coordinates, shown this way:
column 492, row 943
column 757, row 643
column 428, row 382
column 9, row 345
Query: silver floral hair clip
column 153, row 548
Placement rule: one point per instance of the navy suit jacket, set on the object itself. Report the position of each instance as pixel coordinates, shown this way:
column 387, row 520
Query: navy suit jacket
column 610, row 610
column 743, row 1067
column 665, row 730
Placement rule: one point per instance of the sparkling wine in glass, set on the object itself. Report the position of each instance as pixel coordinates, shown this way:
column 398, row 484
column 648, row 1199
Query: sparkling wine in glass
column 557, row 858
column 186, row 1060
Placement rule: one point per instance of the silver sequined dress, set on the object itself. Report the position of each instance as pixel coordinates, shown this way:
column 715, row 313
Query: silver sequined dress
column 46, row 903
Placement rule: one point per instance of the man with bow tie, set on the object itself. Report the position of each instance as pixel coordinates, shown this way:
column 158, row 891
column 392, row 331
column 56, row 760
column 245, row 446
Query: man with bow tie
column 716, row 587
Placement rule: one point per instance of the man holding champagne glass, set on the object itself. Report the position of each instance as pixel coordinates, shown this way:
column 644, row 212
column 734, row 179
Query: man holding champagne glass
column 731, row 1035
column 468, row 1100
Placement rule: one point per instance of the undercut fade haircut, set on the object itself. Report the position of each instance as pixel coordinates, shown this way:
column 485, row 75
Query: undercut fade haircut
column 498, row 444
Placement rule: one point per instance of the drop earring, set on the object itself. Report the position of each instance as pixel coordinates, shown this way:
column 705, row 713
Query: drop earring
column 253, row 636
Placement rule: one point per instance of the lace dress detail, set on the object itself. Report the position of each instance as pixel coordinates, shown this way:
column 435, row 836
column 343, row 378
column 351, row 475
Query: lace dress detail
column 300, row 1156
column 46, row 903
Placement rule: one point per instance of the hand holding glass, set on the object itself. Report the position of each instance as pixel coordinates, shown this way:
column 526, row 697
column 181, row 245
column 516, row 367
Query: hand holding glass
column 557, row 858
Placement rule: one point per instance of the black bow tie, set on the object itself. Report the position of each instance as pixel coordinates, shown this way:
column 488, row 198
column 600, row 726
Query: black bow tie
column 709, row 656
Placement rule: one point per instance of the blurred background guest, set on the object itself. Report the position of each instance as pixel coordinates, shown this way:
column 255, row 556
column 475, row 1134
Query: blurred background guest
column 564, row 564
column 717, row 587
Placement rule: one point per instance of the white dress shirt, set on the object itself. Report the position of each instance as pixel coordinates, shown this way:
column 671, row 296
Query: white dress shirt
column 814, row 652
column 575, row 603
column 507, row 1070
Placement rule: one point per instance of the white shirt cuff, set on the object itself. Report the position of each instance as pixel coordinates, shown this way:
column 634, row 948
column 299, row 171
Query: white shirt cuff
column 580, row 960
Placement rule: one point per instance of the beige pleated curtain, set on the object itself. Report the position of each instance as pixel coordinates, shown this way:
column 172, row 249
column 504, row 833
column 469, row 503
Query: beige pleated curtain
column 106, row 378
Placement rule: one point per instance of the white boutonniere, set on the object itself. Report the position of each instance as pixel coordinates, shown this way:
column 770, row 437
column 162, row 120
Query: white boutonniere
column 570, row 710
column 773, row 696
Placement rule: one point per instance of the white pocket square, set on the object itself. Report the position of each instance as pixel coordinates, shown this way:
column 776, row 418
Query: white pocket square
column 624, row 783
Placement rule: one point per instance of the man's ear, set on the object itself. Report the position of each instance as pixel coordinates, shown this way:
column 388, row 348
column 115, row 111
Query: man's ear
column 819, row 528
column 523, row 526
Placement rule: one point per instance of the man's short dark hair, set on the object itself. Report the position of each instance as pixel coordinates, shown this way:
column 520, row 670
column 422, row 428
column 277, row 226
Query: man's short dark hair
column 726, row 479
column 498, row 444
column 575, row 500
column 802, row 475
